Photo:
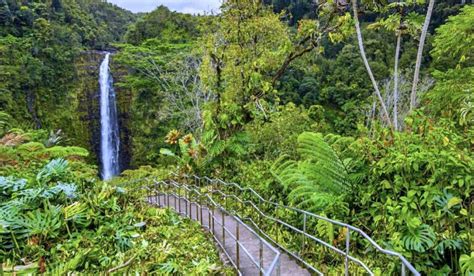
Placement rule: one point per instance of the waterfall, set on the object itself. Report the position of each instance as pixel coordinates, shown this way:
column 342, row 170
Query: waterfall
column 109, row 131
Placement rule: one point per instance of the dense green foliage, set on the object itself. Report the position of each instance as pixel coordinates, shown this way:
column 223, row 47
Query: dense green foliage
column 56, row 217
column 43, row 48
column 270, row 94
column 411, row 189
column 94, row 23
column 164, row 25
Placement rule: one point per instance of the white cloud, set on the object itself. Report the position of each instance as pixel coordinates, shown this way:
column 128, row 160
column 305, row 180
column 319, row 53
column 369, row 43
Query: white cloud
column 185, row 6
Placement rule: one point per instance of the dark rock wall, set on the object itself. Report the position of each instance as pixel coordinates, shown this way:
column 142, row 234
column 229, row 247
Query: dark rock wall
column 88, row 108
column 124, row 102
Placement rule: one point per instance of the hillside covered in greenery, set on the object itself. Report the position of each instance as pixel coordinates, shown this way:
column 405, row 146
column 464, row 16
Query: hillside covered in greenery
column 360, row 111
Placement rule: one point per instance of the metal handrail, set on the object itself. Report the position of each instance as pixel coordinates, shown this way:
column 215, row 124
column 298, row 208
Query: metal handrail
column 404, row 263
column 155, row 187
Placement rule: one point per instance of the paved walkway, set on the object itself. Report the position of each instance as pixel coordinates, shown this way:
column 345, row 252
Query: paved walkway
column 250, row 244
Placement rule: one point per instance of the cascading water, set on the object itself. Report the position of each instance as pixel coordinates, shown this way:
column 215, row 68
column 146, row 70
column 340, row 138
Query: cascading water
column 109, row 130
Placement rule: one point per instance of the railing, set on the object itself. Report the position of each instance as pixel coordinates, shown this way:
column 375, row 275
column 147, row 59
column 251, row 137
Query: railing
column 246, row 197
column 186, row 197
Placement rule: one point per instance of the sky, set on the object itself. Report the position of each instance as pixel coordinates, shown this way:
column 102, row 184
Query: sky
column 184, row 6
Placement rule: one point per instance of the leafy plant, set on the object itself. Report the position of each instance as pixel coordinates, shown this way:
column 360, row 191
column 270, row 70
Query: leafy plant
column 10, row 185
column 5, row 123
column 467, row 264
column 55, row 169
column 418, row 237
column 45, row 223
column 320, row 180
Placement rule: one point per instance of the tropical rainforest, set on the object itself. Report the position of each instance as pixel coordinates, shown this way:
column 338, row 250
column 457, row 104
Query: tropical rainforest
column 359, row 111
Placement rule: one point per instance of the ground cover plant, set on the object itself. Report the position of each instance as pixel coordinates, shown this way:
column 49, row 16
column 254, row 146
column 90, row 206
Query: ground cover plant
column 57, row 218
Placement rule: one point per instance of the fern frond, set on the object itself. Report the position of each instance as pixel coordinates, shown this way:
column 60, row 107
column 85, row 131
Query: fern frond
column 323, row 164
column 5, row 122
column 286, row 171
column 319, row 180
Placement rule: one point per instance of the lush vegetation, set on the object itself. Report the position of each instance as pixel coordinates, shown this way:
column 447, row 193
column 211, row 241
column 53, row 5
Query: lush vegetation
column 361, row 111
column 57, row 218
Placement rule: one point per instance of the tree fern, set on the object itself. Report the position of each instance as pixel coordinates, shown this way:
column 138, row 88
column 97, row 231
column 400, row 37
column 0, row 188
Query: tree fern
column 320, row 180
column 325, row 229
column 322, row 164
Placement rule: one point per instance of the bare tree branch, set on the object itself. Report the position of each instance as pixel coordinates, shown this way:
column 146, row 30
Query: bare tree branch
column 419, row 55
column 367, row 65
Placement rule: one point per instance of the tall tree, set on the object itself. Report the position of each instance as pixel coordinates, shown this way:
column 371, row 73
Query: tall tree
column 360, row 41
column 401, row 24
column 419, row 55
column 240, row 58
column 395, row 81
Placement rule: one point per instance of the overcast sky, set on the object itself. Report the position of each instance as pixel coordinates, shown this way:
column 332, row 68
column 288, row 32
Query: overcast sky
column 185, row 6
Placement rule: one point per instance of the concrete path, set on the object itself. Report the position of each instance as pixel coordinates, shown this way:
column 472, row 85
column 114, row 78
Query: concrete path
column 252, row 253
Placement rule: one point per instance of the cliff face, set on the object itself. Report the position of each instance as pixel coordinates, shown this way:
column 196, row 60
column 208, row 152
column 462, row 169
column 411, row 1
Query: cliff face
column 87, row 108
column 71, row 104
column 124, row 107
column 85, row 105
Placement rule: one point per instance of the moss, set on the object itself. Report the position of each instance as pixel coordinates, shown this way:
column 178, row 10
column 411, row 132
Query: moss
column 65, row 152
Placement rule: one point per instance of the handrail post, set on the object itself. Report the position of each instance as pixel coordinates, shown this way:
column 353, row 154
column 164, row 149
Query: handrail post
column 223, row 228
column 176, row 199
column 190, row 206
column 209, row 217
column 179, row 199
column 197, row 211
column 403, row 269
column 186, row 201
column 167, row 197
column 346, row 261
column 157, row 193
column 237, row 244
column 213, row 222
column 200, row 209
column 279, row 266
column 276, row 225
column 261, row 257
column 304, row 234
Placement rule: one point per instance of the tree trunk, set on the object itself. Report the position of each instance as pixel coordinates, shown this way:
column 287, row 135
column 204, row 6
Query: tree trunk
column 367, row 65
column 395, row 82
column 419, row 56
